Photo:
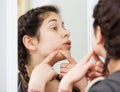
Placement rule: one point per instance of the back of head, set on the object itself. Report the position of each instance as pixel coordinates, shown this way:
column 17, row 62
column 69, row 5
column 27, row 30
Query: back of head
column 107, row 16
column 28, row 24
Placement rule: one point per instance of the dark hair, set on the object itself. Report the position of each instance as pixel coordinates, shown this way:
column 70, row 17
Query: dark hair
column 28, row 24
column 107, row 16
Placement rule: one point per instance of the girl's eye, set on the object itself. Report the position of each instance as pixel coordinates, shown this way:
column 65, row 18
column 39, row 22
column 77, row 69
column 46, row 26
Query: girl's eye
column 54, row 28
column 64, row 27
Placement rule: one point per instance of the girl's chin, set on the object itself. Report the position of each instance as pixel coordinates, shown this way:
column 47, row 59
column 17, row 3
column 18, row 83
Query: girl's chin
column 59, row 58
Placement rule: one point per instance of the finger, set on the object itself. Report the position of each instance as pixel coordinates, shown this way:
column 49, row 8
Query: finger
column 53, row 74
column 62, row 75
column 63, row 65
column 94, row 75
column 48, row 59
column 96, row 57
column 85, row 67
column 68, row 57
column 64, row 70
column 88, row 65
column 98, row 69
column 87, row 58
column 100, row 64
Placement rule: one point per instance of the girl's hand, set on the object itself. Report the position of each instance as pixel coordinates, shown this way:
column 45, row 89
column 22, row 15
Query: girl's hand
column 65, row 67
column 76, row 73
column 42, row 74
column 97, row 69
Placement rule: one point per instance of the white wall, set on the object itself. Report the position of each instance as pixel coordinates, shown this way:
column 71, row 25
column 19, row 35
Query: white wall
column 8, row 46
column 11, row 46
column 3, row 46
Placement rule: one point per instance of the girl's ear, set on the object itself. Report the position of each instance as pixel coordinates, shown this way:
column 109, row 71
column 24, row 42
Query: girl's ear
column 99, row 36
column 30, row 42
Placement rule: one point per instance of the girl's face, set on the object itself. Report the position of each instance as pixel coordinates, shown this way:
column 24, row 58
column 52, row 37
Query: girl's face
column 94, row 43
column 98, row 42
column 53, row 36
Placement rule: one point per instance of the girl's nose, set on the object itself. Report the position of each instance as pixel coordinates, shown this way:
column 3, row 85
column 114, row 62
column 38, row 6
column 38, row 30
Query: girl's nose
column 66, row 34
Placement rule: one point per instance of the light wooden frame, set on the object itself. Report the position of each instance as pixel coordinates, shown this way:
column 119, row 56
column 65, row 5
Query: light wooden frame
column 23, row 6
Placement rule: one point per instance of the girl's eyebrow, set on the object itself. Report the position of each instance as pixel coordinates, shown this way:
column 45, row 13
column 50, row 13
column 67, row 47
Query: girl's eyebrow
column 52, row 20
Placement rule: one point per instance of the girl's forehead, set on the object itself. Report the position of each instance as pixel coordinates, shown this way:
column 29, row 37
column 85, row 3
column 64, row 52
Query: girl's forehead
column 53, row 17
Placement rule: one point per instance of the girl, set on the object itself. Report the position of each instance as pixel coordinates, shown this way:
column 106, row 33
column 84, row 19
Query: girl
column 107, row 44
column 40, row 32
column 41, row 36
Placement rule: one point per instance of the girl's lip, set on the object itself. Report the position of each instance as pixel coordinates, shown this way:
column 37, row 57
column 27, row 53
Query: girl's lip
column 67, row 44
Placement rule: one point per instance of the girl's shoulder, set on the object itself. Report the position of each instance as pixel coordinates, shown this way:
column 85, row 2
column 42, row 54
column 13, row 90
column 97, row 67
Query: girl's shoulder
column 108, row 84
column 94, row 82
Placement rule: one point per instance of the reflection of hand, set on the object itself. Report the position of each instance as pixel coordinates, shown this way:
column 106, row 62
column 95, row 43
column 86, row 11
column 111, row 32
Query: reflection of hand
column 82, row 84
column 97, row 69
column 42, row 74
column 65, row 67
column 76, row 73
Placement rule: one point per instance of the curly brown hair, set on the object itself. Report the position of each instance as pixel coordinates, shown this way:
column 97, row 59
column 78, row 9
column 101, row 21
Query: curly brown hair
column 107, row 16
column 28, row 24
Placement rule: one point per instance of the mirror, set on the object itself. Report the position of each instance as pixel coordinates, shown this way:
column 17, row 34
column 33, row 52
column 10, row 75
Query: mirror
column 74, row 14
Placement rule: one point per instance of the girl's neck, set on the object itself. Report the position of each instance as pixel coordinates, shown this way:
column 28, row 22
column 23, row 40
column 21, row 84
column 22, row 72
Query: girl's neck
column 113, row 66
column 33, row 61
